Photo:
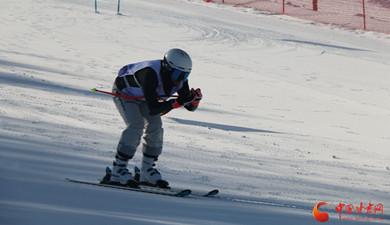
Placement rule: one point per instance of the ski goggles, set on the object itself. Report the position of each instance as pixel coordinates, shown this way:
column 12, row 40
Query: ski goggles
column 180, row 75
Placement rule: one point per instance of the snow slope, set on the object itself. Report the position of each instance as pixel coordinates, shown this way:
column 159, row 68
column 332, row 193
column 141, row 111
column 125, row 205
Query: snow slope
column 294, row 113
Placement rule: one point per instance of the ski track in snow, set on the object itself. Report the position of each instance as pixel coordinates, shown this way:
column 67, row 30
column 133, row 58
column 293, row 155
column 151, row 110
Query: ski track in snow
column 294, row 112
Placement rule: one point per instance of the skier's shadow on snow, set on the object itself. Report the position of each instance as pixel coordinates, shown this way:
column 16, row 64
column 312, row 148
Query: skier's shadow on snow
column 222, row 126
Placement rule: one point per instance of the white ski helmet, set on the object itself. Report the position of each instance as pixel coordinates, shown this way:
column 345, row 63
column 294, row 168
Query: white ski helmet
column 179, row 63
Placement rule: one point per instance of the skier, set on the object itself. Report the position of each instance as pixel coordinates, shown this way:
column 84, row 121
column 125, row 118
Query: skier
column 153, row 81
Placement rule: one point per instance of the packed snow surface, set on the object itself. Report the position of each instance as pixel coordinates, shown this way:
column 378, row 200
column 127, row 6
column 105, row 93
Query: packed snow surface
column 294, row 113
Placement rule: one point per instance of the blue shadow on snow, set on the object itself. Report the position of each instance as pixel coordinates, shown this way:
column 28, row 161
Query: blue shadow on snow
column 222, row 126
column 325, row 45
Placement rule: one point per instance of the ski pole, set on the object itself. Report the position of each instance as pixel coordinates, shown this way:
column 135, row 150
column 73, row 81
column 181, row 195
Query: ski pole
column 96, row 11
column 119, row 3
column 125, row 96
column 130, row 97
column 114, row 94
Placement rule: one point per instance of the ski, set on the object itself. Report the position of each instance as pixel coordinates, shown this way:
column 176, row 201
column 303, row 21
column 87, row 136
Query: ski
column 211, row 193
column 178, row 193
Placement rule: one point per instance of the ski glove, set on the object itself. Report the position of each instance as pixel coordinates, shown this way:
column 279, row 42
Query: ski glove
column 193, row 98
column 175, row 103
column 197, row 96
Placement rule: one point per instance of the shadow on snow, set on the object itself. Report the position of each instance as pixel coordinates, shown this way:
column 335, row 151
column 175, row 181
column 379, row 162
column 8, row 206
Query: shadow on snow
column 222, row 126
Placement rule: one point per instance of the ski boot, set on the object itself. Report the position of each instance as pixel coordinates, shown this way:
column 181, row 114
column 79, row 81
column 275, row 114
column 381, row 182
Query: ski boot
column 119, row 176
column 149, row 176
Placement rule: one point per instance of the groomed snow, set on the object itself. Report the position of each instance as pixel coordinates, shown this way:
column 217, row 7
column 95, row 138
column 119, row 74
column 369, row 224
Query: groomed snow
column 294, row 113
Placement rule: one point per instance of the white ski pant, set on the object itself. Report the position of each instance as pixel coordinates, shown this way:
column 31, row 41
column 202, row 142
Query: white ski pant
column 139, row 124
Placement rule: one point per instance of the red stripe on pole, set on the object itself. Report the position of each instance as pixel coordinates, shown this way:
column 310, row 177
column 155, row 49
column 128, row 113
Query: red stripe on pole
column 118, row 95
column 125, row 96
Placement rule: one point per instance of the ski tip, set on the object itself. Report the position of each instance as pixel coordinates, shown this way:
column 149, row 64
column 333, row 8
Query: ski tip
column 184, row 193
column 212, row 193
column 94, row 89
